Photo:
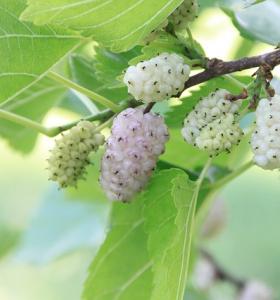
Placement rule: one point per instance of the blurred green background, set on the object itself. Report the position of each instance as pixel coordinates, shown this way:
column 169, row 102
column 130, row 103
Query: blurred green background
column 53, row 236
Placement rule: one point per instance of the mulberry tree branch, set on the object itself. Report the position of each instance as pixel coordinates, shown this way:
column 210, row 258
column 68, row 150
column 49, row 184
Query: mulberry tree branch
column 213, row 68
column 222, row 274
column 216, row 67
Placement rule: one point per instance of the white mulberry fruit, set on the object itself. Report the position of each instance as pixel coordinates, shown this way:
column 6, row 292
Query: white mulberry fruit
column 256, row 290
column 212, row 124
column 158, row 78
column 204, row 274
column 70, row 156
column 184, row 14
column 132, row 150
column 265, row 141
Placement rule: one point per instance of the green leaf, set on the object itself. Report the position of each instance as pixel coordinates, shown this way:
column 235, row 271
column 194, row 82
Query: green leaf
column 119, row 24
column 169, row 224
column 109, row 65
column 29, row 51
column 182, row 154
column 122, row 268
column 259, row 22
column 60, row 227
column 33, row 103
column 83, row 72
column 76, row 102
column 90, row 189
column 156, row 220
column 165, row 42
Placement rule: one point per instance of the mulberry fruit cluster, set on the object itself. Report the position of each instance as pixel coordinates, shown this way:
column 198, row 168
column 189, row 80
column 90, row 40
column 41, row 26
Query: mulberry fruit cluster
column 255, row 290
column 265, row 141
column 158, row 78
column 212, row 125
column 70, row 156
column 132, row 150
column 184, row 14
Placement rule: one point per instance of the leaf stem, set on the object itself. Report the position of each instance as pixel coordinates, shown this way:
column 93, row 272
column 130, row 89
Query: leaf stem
column 234, row 81
column 106, row 116
column 193, row 212
column 23, row 121
column 102, row 116
column 105, row 124
column 190, row 37
column 203, row 173
column 196, row 62
column 220, row 183
column 92, row 95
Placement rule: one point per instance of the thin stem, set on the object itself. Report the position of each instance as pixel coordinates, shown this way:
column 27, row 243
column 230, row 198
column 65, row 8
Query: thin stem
column 221, row 273
column 105, row 124
column 190, row 37
column 196, row 62
column 103, row 116
column 220, row 183
column 92, row 95
column 23, row 121
column 234, row 81
column 203, row 173
column 193, row 208
column 149, row 107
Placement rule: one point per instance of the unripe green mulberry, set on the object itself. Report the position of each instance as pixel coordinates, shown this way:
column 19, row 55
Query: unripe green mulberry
column 219, row 135
column 70, row 156
column 212, row 125
column 184, row 14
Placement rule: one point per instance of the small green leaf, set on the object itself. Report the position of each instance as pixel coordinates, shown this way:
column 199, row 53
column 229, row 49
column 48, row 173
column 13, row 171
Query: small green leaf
column 29, row 51
column 83, row 72
column 118, row 24
column 109, row 65
column 165, row 42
